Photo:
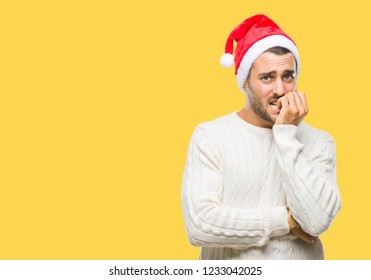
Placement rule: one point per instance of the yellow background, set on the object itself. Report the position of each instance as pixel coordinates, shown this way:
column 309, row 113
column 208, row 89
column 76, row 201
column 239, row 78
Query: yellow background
column 99, row 100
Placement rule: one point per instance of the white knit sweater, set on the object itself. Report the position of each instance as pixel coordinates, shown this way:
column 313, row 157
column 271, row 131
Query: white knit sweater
column 240, row 178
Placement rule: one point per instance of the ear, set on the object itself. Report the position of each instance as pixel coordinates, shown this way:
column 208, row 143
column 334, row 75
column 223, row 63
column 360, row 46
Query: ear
column 246, row 86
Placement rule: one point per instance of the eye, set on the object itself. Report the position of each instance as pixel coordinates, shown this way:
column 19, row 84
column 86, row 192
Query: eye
column 266, row 78
column 288, row 77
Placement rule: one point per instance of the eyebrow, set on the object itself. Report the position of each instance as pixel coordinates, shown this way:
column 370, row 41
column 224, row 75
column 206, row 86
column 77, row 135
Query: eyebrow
column 274, row 72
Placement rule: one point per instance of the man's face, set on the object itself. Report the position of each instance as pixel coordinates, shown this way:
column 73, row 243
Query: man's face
column 271, row 77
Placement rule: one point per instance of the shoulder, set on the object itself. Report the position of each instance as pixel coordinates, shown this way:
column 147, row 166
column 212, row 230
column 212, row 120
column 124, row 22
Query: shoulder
column 216, row 127
column 214, row 131
column 216, row 124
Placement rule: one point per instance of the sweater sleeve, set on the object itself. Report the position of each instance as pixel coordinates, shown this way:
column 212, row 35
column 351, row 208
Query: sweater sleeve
column 209, row 223
column 309, row 179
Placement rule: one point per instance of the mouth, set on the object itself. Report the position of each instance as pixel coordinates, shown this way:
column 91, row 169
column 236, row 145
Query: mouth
column 274, row 106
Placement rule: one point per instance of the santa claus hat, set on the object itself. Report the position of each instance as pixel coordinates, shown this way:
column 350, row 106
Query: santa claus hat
column 254, row 36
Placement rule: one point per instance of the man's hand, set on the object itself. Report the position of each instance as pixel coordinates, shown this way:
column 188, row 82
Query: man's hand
column 293, row 108
column 296, row 230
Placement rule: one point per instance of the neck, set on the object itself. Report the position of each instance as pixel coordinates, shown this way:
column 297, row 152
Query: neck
column 248, row 115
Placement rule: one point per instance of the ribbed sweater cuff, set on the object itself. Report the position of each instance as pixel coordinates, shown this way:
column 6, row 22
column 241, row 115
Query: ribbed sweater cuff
column 285, row 137
column 276, row 220
column 284, row 131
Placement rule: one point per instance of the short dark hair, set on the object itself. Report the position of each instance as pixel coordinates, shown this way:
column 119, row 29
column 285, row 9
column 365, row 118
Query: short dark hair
column 278, row 50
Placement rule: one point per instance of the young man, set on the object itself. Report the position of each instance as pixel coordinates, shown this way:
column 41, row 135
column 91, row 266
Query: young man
column 260, row 183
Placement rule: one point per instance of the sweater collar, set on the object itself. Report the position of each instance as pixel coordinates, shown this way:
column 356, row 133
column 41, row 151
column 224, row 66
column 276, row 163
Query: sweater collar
column 253, row 128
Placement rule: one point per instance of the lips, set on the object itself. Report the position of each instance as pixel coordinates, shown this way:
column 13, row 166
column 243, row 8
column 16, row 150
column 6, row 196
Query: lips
column 274, row 106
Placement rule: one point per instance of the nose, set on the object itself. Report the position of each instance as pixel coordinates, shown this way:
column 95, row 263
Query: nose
column 279, row 87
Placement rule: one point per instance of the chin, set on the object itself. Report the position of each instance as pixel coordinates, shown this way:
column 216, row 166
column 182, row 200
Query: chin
column 273, row 116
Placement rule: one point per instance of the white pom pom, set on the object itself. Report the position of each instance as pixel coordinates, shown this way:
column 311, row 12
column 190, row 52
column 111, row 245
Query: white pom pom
column 227, row 60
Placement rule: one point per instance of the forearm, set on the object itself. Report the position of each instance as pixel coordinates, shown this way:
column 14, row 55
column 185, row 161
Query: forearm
column 210, row 224
column 310, row 184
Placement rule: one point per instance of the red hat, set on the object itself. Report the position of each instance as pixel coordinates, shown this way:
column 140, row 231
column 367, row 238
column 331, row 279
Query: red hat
column 254, row 36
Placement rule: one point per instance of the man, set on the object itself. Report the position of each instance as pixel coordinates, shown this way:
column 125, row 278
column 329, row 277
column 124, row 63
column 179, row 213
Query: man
column 260, row 183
